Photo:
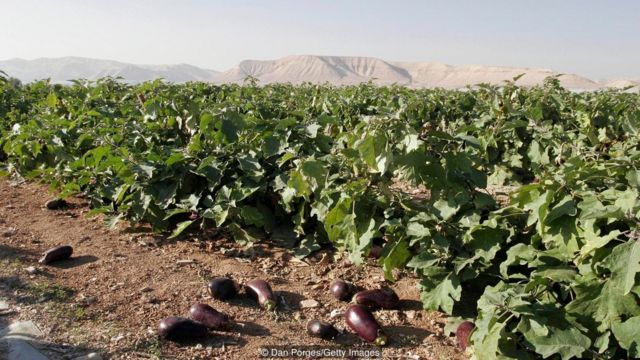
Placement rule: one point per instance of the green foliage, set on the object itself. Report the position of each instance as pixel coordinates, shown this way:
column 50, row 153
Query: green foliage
column 554, row 272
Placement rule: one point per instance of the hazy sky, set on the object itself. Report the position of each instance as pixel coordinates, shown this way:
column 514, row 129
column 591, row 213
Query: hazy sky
column 599, row 39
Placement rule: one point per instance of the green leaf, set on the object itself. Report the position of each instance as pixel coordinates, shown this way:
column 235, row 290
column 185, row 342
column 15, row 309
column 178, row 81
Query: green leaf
column 519, row 254
column 417, row 168
column 624, row 263
column 484, row 241
column 633, row 177
column 52, row 100
column 626, row 200
column 440, row 292
column 339, row 221
column 423, row 260
column 396, row 257
column 446, row 208
column 308, row 246
column 537, row 154
column 232, row 123
column 569, row 343
column 316, row 172
column 628, row 335
column 566, row 206
column 175, row 212
column 556, row 274
column 112, row 221
column 180, row 228
column 485, row 342
column 251, row 216
column 242, row 236
column 604, row 304
column 175, row 158
column 593, row 241
column 373, row 149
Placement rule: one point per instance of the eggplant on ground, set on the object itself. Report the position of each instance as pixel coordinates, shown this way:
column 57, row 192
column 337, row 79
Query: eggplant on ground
column 342, row 290
column 321, row 329
column 176, row 328
column 363, row 323
column 223, row 288
column 260, row 291
column 57, row 253
column 378, row 298
column 208, row 316
column 463, row 332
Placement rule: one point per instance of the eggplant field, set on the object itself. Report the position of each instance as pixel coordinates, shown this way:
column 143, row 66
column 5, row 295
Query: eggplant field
column 515, row 210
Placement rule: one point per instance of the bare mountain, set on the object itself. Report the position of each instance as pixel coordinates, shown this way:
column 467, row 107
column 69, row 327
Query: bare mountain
column 337, row 70
column 67, row 68
column 446, row 76
column 621, row 84
column 340, row 70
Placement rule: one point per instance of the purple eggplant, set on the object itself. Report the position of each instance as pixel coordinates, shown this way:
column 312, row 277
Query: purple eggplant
column 260, row 291
column 463, row 333
column 321, row 329
column 223, row 288
column 208, row 316
column 179, row 329
column 364, row 324
column 57, row 253
column 379, row 298
column 342, row 290
column 375, row 252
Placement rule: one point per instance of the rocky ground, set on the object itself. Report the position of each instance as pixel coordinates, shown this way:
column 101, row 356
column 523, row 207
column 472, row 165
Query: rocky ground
column 107, row 300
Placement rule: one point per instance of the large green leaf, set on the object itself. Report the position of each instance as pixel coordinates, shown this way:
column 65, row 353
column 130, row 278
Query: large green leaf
column 628, row 335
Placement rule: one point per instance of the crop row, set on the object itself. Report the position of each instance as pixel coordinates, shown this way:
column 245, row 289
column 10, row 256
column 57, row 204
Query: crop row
column 550, row 271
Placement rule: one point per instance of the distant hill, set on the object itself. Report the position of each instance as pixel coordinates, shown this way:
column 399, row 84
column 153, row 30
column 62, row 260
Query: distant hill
column 337, row 70
column 69, row 68
column 620, row 84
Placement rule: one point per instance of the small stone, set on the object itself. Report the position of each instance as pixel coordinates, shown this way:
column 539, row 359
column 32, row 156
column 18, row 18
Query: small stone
column 87, row 300
column 309, row 304
column 4, row 305
column 91, row 356
column 23, row 330
column 410, row 314
column 9, row 232
column 336, row 313
column 31, row 270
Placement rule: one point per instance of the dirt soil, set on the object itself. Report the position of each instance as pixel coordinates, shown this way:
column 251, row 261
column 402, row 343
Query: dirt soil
column 110, row 297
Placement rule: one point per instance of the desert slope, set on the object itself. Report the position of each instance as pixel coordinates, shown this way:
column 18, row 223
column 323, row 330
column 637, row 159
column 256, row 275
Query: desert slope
column 451, row 77
column 621, row 84
column 336, row 70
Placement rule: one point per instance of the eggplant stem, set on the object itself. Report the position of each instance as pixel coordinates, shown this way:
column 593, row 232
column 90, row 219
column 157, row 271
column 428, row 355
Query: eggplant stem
column 269, row 305
column 381, row 340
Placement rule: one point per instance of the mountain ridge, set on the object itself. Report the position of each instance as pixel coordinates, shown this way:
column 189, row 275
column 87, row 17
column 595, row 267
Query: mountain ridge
column 336, row 70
